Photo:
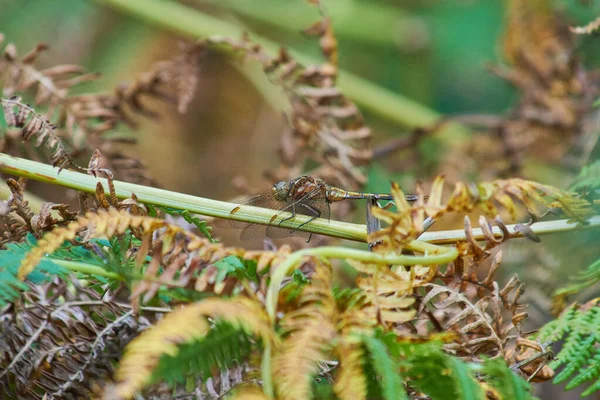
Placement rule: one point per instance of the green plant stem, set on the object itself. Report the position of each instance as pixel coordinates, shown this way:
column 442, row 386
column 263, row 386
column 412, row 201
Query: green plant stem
column 380, row 24
column 433, row 255
column 148, row 195
column 90, row 269
column 220, row 209
column 191, row 23
column 84, row 268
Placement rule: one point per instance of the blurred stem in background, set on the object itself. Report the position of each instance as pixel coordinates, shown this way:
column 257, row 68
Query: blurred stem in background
column 191, row 23
column 387, row 26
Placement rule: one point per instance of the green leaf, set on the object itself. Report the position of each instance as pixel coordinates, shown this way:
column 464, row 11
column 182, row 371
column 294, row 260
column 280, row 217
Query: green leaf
column 438, row 374
column 508, row 384
column 580, row 354
column 10, row 260
column 386, row 368
column 223, row 347
column 299, row 277
column 191, row 219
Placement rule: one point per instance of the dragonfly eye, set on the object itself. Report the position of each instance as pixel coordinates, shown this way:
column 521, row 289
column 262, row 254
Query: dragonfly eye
column 281, row 190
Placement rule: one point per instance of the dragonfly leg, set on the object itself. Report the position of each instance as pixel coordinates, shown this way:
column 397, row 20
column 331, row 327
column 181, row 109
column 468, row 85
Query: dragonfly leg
column 316, row 214
column 293, row 212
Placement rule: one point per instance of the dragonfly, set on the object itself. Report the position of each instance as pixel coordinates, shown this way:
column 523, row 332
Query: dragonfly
column 305, row 195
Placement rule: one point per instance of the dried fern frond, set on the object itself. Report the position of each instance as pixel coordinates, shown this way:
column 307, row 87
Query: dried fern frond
column 388, row 295
column 470, row 320
column 406, row 223
column 511, row 192
column 81, row 119
column 183, row 257
column 350, row 380
column 325, row 125
column 403, row 225
column 555, row 116
column 20, row 220
column 102, row 223
column 62, row 342
column 483, row 319
column 183, row 326
column 23, row 116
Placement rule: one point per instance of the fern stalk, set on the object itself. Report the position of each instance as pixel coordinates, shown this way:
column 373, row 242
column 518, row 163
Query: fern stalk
column 84, row 268
column 220, row 209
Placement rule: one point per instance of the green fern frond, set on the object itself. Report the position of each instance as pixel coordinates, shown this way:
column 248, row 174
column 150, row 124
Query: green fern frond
column 438, row 374
column 554, row 330
column 191, row 219
column 580, row 354
column 587, row 278
column 236, row 266
column 183, row 326
column 506, row 383
column 578, row 350
column 385, row 367
column 223, row 347
column 347, row 299
column 10, row 259
column 588, row 178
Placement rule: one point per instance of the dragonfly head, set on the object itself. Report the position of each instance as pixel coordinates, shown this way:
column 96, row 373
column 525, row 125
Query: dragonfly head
column 282, row 190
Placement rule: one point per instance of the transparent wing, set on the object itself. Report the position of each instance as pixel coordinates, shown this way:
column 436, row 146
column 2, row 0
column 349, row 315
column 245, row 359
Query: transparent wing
column 265, row 199
column 312, row 204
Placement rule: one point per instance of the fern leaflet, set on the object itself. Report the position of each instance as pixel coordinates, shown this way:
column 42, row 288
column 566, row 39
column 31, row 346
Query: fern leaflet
column 224, row 346
column 580, row 353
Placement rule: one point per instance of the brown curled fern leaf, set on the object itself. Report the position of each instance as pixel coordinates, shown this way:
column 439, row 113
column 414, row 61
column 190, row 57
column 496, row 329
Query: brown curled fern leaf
column 22, row 116
column 19, row 219
column 81, row 119
column 469, row 319
column 183, row 326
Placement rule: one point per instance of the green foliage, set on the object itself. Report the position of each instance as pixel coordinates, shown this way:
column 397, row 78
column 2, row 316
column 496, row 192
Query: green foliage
column 588, row 178
column 10, row 259
column 223, row 347
column 382, row 363
column 505, row 381
column 191, row 219
column 585, row 279
column 438, row 374
column 580, row 354
column 235, row 266
column 428, row 369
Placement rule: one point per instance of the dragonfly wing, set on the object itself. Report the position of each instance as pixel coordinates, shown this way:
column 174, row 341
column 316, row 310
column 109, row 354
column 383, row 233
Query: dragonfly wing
column 263, row 200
